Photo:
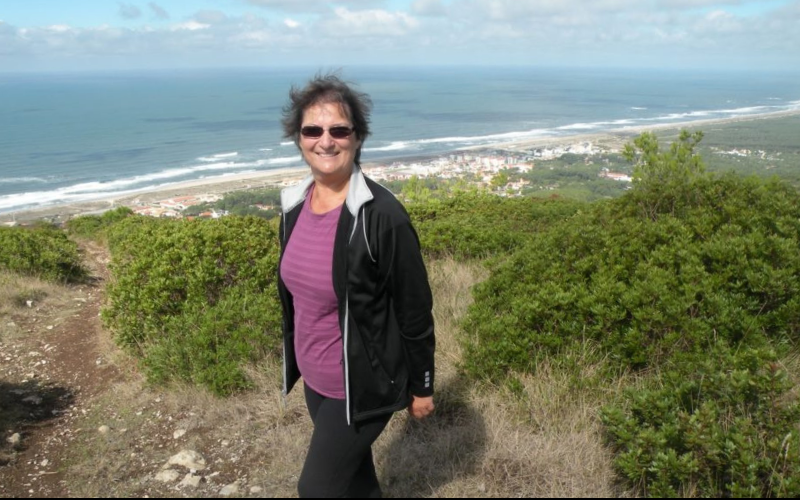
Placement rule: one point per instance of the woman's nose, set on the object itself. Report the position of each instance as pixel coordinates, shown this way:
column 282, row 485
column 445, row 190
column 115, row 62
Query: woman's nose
column 326, row 140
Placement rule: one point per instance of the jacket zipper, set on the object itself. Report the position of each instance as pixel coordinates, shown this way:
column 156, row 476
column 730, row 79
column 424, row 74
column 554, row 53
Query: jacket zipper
column 346, row 360
column 283, row 344
column 347, row 324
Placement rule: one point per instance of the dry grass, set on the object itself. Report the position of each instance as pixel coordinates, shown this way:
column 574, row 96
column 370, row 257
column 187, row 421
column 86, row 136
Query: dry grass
column 46, row 299
column 485, row 441
column 481, row 442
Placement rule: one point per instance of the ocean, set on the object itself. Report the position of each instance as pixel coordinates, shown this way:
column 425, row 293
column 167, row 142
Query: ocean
column 74, row 137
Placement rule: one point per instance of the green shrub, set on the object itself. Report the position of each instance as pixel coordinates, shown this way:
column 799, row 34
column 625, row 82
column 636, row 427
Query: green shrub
column 196, row 299
column 242, row 203
column 717, row 425
column 94, row 226
column 42, row 251
column 644, row 284
column 664, row 180
column 476, row 225
column 693, row 280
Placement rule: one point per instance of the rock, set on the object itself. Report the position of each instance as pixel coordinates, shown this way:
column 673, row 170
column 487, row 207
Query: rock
column 190, row 481
column 178, row 434
column 45, row 463
column 229, row 490
column 34, row 400
column 29, row 303
column 104, row 429
column 189, row 459
column 255, row 490
column 15, row 439
column 167, row 476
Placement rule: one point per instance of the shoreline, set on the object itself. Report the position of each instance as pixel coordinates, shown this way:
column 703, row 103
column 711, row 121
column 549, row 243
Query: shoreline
column 622, row 135
column 279, row 177
column 227, row 184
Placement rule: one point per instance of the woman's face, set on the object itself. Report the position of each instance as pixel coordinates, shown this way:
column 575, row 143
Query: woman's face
column 328, row 158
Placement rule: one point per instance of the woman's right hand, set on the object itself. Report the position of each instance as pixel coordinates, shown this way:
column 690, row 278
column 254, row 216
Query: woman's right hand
column 421, row 407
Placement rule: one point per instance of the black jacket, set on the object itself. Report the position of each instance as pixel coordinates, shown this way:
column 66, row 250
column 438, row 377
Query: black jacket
column 384, row 299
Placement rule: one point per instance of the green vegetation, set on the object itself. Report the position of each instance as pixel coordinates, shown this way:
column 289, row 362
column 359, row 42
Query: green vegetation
column 42, row 251
column 686, row 282
column 576, row 177
column 477, row 225
column 243, row 203
column 423, row 190
column 764, row 148
column 689, row 275
column 195, row 299
column 716, row 424
column 94, row 226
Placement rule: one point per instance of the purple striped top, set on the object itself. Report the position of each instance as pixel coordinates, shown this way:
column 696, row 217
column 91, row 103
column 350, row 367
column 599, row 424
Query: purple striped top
column 307, row 271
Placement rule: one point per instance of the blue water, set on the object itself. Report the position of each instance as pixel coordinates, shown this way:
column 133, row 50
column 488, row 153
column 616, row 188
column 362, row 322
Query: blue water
column 75, row 137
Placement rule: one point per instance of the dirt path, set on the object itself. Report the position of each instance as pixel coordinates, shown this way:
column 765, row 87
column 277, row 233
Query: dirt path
column 49, row 375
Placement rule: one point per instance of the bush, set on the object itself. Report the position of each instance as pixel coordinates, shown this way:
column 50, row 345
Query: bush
column 94, row 226
column 692, row 280
column 42, row 251
column 242, row 203
column 196, row 299
column 717, row 425
column 477, row 225
column 644, row 285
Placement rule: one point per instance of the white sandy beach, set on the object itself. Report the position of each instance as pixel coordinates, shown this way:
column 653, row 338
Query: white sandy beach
column 622, row 135
column 219, row 185
column 279, row 177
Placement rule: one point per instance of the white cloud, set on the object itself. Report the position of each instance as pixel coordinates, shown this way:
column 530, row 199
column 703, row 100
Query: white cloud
column 190, row 26
column 720, row 16
column 368, row 23
column 211, row 17
column 611, row 32
column 433, row 8
column 59, row 28
column 515, row 10
column 312, row 6
column 684, row 4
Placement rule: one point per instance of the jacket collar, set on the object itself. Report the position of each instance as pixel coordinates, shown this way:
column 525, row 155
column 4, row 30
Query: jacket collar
column 358, row 193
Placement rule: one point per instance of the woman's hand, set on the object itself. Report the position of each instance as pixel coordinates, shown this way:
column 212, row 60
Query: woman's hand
column 421, row 407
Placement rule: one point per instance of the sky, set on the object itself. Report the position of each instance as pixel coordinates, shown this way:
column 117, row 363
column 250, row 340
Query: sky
column 58, row 35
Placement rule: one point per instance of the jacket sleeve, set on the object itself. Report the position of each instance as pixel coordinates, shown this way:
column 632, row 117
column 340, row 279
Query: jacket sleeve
column 407, row 282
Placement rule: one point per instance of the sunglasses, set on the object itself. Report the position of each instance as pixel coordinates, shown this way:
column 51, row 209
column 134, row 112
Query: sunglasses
column 315, row 132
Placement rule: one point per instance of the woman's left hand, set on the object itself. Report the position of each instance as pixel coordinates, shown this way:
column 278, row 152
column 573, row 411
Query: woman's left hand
column 421, row 407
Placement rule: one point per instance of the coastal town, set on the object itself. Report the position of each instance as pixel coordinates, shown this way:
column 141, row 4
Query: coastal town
column 479, row 168
column 503, row 170
column 500, row 170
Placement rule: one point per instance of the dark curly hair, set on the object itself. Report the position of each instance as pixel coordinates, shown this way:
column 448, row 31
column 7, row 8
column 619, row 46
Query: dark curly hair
column 323, row 89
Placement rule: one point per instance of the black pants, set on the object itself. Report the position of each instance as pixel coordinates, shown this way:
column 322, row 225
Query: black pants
column 339, row 462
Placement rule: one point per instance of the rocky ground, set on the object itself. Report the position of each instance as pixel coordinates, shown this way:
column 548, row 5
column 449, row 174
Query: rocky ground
column 57, row 374
column 77, row 419
column 51, row 369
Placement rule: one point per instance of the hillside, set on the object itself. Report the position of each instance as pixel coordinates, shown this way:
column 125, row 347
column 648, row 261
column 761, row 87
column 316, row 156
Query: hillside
column 643, row 345
column 98, row 429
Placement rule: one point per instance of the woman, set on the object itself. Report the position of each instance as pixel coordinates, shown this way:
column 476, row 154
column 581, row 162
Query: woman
column 356, row 302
